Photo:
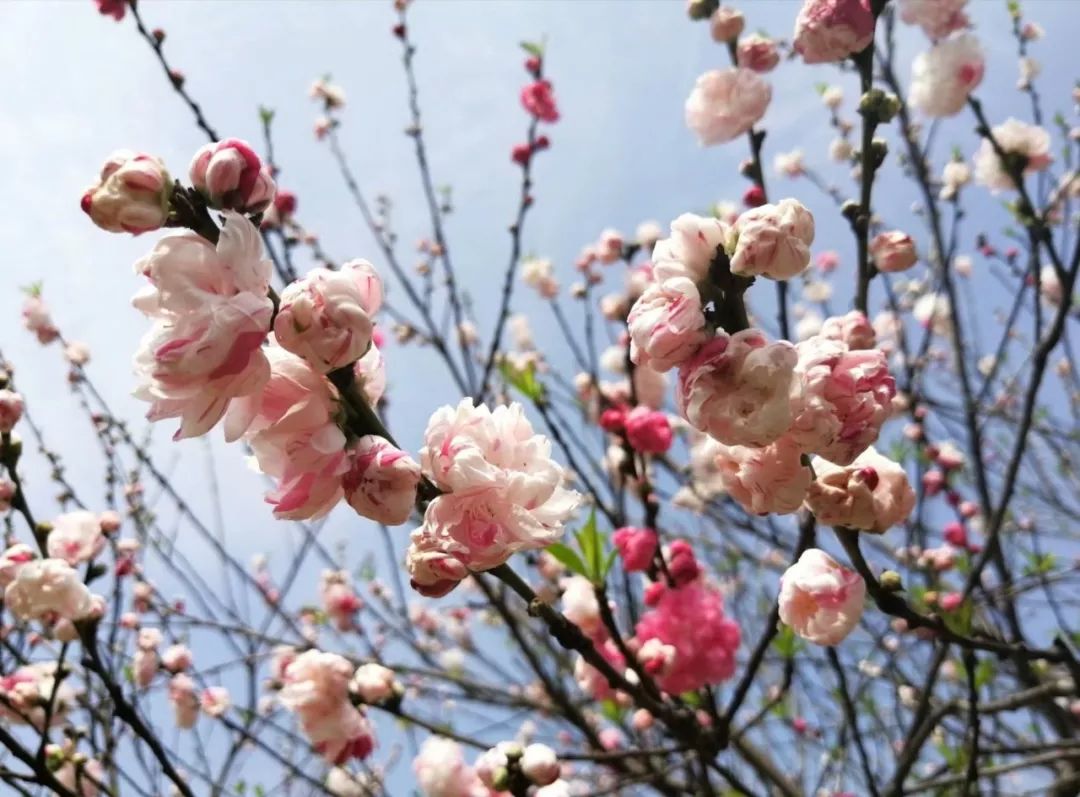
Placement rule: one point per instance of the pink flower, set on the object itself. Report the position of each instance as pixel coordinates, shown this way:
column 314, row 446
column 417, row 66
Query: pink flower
column 820, row 600
column 538, row 98
column 47, row 587
column 937, row 18
column 871, row 494
column 853, row 329
column 112, row 8
column 1028, row 143
column 327, row 316
column 758, row 53
column 81, row 779
column 176, row 658
column 943, row 77
column 609, row 249
column 332, row 95
column 539, row 274
column 374, row 683
column 36, row 318
column 539, row 765
column 76, row 537
column 184, row 700
column 666, row 324
column 689, row 250
column 232, row 177
column 11, row 410
column 285, row 203
column 339, row 599
column 831, row 30
column 370, row 374
column 131, row 195
column 773, row 241
column 580, row 606
column 893, row 251
column 726, row 24
column 381, row 481
column 736, row 389
column 12, row 560
column 691, row 619
column 29, row 689
column 211, row 316
column 648, row 431
column 215, row 701
column 725, row 104
column 316, row 689
column 765, row 480
column 683, row 566
column 636, row 547
column 843, row 399
column 291, row 429
column 441, row 771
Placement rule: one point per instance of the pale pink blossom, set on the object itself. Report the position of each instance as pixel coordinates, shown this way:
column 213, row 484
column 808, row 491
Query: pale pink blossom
column 691, row 619
column 831, row 30
column 36, row 318
column 46, row 588
column 290, row 427
column 819, row 599
column 726, row 24
column 441, row 771
column 872, row 493
column 184, row 698
column 954, row 175
column 374, row 683
column 11, row 409
column 736, row 389
column 29, row 689
column 764, row 480
column 232, row 177
column 339, row 599
column 790, row 164
column 539, row 274
column 853, row 329
column 937, row 18
column 502, row 492
column 690, row 248
column 215, row 701
column 12, row 560
column 76, row 537
column 1050, row 287
column 636, row 547
column 144, row 666
column 82, row 778
column 370, row 374
column 316, row 689
column 212, row 315
column 77, row 353
column 933, row 311
column 773, row 241
column 667, row 325
column 726, row 103
column 331, row 94
column 131, row 194
column 843, row 398
column 1030, row 144
column 341, row 782
column 176, row 658
column 380, row 482
column 758, row 53
column 944, row 76
column 539, row 764
column 327, row 317
column 893, row 251
column 580, row 606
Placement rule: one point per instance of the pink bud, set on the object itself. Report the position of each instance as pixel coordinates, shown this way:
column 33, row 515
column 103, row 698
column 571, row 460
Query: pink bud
column 648, row 431
column 11, row 410
column 955, row 534
column 232, row 176
column 950, row 601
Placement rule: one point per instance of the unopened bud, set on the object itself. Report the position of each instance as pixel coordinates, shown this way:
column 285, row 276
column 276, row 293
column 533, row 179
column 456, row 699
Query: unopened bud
column 890, row 581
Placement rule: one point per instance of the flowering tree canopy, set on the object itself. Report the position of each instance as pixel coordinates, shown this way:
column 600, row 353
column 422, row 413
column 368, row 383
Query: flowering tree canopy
column 773, row 497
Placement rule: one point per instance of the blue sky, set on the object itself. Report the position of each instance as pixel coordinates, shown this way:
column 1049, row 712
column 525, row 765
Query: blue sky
column 84, row 86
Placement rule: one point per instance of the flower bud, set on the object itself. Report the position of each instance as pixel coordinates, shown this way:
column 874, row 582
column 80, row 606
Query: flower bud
column 540, row 765
column 726, row 24
column 11, row 410
column 131, row 195
column 232, row 177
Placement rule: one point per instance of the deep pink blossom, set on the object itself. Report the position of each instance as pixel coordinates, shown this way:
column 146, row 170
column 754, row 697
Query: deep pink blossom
column 636, row 547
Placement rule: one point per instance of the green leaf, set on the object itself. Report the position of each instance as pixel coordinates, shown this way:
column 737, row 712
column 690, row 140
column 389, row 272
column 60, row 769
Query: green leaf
column 786, row 643
column 523, row 380
column 611, row 710
column 959, row 620
column 985, row 672
column 266, row 115
column 592, row 548
column 532, row 48
column 569, row 557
